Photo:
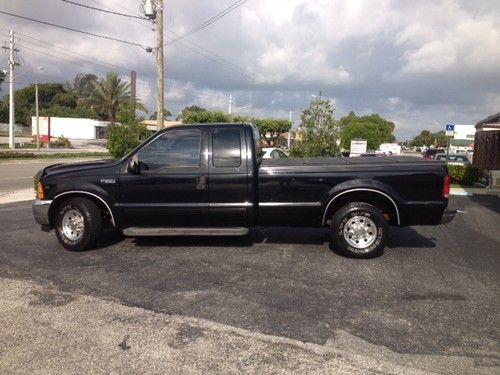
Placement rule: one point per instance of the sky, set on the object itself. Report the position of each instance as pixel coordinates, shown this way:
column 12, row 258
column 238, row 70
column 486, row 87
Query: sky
column 421, row 64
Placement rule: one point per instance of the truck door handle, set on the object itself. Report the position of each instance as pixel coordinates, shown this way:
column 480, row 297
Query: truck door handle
column 201, row 182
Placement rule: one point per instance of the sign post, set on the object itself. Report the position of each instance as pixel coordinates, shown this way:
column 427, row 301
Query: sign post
column 450, row 132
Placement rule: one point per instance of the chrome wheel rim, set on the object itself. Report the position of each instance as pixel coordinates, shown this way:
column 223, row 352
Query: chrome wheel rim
column 73, row 225
column 360, row 232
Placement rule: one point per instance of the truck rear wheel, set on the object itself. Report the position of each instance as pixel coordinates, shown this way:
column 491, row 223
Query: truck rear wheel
column 78, row 224
column 359, row 230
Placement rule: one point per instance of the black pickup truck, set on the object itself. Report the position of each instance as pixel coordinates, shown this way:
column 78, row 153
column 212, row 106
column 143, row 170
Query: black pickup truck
column 207, row 179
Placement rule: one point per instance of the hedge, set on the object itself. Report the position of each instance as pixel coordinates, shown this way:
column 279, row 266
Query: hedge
column 464, row 175
column 52, row 155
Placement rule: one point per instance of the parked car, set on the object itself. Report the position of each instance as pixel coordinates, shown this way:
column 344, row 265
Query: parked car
column 207, row 180
column 273, row 153
column 454, row 159
column 430, row 153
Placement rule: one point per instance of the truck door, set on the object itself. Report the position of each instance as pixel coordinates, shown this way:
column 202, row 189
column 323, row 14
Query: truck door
column 230, row 203
column 171, row 188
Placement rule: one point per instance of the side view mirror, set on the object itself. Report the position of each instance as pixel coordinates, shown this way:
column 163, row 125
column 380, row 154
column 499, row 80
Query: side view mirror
column 133, row 165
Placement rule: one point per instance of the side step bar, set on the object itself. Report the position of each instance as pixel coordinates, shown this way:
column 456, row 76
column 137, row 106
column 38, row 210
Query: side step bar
column 140, row 231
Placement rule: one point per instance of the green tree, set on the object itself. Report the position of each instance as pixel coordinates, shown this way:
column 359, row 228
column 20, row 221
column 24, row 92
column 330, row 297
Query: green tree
column 166, row 114
column 270, row 129
column 203, row 116
column 110, row 92
column 440, row 139
column 319, row 131
column 375, row 129
column 83, row 85
column 2, row 78
column 426, row 138
column 128, row 133
column 25, row 100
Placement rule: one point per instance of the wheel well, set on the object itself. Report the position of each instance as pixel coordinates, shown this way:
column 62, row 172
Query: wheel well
column 107, row 215
column 374, row 198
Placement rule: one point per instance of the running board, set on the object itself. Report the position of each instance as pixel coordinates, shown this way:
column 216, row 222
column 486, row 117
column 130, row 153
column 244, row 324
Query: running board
column 140, row 231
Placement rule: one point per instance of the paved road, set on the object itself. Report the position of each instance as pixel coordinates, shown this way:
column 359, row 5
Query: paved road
column 18, row 174
column 433, row 294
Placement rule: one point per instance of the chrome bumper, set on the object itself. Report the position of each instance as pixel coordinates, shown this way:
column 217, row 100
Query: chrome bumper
column 41, row 212
column 448, row 216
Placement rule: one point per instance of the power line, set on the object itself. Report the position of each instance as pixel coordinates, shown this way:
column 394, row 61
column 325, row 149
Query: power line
column 194, row 46
column 62, row 58
column 104, row 10
column 74, row 30
column 81, row 56
column 210, row 21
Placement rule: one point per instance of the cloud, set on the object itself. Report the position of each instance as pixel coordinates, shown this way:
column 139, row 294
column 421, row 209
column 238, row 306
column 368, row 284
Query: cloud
column 420, row 64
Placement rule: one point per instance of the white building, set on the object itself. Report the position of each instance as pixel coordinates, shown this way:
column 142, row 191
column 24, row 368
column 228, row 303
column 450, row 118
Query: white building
column 463, row 139
column 71, row 128
column 465, row 132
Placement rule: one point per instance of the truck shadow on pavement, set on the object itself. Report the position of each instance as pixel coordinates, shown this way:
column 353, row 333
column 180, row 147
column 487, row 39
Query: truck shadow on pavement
column 398, row 238
column 276, row 235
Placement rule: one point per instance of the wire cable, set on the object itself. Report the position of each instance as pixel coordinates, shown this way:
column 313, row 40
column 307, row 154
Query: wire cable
column 74, row 30
column 94, row 61
column 210, row 21
column 62, row 58
column 104, row 10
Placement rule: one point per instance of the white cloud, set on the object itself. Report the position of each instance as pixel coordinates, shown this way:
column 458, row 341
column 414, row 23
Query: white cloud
column 420, row 63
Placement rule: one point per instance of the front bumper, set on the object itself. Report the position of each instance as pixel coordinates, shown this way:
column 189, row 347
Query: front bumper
column 448, row 216
column 41, row 212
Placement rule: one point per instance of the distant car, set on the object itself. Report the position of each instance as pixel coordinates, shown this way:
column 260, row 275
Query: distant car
column 430, row 153
column 454, row 159
column 273, row 153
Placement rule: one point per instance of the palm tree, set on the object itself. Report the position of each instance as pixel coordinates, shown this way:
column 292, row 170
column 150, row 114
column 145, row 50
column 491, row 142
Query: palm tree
column 110, row 92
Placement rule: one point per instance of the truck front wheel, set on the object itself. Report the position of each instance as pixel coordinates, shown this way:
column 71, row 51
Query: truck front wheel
column 78, row 224
column 359, row 230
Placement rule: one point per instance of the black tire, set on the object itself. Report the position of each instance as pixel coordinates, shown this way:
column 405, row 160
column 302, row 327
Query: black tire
column 84, row 210
column 352, row 234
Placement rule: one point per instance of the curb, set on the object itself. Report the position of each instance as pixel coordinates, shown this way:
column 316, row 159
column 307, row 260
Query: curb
column 474, row 191
column 17, row 196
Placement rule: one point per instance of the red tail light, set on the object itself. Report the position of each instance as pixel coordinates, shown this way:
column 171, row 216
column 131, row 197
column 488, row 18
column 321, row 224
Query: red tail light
column 446, row 187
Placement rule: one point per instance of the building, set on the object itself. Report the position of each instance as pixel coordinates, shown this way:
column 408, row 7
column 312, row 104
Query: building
column 152, row 124
column 463, row 139
column 71, row 128
column 487, row 143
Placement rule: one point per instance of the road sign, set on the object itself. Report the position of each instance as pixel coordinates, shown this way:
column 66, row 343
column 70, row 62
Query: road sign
column 450, row 130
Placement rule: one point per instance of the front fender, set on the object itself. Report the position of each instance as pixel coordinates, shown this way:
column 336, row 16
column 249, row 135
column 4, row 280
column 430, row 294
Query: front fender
column 89, row 190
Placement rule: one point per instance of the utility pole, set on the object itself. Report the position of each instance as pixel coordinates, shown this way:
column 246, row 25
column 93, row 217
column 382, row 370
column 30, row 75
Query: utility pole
column 37, row 118
column 133, row 86
column 12, row 141
column 230, row 110
column 290, row 131
column 160, row 78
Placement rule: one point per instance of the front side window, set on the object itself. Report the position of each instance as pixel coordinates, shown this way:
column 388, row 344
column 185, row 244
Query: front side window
column 226, row 148
column 173, row 149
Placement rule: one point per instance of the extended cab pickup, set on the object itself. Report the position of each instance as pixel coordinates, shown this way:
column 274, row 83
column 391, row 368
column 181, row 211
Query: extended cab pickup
column 207, row 179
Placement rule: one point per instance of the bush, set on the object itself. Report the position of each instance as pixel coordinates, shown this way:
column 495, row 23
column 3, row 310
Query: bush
column 464, row 175
column 61, row 142
column 124, row 138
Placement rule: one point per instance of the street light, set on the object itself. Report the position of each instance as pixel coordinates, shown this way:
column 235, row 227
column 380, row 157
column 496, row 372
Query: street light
column 12, row 139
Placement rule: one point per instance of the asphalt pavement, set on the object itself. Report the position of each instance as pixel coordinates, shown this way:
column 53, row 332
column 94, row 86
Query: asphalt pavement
column 18, row 174
column 431, row 301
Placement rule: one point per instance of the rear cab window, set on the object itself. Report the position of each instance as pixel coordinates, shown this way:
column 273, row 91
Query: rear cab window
column 226, row 148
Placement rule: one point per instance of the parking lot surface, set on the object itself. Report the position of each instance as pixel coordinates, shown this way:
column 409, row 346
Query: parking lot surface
column 431, row 301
